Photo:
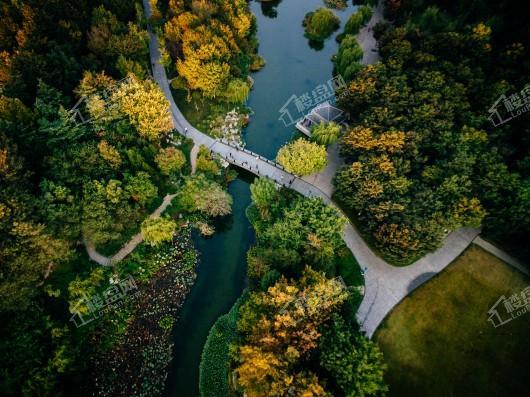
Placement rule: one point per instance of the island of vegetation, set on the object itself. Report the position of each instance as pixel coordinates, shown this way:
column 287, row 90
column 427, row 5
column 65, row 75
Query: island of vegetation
column 320, row 24
column 293, row 330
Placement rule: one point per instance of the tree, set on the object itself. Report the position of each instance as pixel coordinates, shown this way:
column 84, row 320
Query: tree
column 145, row 105
column 201, row 194
column 320, row 24
column 236, row 91
column 357, row 20
column 109, row 154
column 302, row 157
column 326, row 133
column 263, row 193
column 347, row 60
column 206, row 163
column 354, row 361
column 212, row 45
column 141, row 188
column 155, row 231
column 280, row 331
column 170, row 160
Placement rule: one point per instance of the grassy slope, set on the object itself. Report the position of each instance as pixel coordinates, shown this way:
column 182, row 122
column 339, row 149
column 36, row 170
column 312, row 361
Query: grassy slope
column 438, row 341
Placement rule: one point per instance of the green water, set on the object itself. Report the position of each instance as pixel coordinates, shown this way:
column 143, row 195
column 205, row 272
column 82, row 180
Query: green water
column 293, row 68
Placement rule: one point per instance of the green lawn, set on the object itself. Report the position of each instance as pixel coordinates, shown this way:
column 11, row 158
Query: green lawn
column 438, row 341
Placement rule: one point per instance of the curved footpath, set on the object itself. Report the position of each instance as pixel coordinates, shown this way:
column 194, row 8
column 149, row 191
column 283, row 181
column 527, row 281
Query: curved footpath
column 385, row 285
column 130, row 245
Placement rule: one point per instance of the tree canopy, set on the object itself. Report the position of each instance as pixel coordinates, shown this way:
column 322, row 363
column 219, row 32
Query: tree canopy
column 320, row 24
column 302, row 157
column 423, row 159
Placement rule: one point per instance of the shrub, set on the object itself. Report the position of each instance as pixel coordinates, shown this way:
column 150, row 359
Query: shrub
column 302, row 157
column 358, row 19
column 215, row 360
column 320, row 24
column 326, row 134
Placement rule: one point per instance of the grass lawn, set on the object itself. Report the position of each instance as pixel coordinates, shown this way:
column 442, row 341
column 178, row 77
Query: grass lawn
column 438, row 342
column 199, row 111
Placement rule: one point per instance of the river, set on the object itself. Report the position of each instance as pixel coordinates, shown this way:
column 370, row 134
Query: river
column 294, row 67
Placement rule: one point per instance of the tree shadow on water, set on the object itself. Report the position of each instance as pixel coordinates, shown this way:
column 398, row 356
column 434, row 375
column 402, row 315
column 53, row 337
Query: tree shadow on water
column 268, row 8
column 316, row 45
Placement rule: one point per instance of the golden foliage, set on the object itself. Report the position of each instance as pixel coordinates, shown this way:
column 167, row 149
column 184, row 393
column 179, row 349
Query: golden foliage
column 396, row 235
column 278, row 340
column 145, row 105
column 363, row 138
column 110, row 154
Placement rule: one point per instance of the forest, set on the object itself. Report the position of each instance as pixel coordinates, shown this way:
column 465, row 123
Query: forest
column 87, row 152
column 424, row 156
column 102, row 200
column 294, row 329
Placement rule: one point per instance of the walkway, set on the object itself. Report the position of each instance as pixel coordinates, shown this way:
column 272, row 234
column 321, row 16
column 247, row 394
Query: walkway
column 366, row 38
column 130, row 245
column 385, row 285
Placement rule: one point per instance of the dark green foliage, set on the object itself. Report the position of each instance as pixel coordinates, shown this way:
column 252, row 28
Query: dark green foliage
column 215, row 360
column 354, row 362
column 320, row 24
column 304, row 230
column 424, row 158
column 357, row 20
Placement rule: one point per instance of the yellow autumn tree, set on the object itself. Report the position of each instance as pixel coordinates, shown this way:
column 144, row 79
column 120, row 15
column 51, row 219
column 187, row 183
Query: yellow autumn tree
column 281, row 328
column 145, row 105
column 109, row 153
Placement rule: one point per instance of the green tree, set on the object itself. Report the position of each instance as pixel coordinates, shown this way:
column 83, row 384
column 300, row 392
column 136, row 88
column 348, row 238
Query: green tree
column 320, row 24
column 140, row 188
column 204, row 195
column 170, row 160
column 347, row 60
column 302, row 157
column 155, row 231
column 357, row 20
column 354, row 361
column 236, row 91
column 264, row 194
column 326, row 133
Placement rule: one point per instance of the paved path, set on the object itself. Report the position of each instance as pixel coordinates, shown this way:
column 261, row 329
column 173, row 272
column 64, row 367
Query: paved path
column 385, row 285
column 324, row 179
column 366, row 38
column 193, row 158
column 130, row 245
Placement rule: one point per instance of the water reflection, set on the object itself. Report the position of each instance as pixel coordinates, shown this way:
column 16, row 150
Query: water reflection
column 268, row 8
column 316, row 45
